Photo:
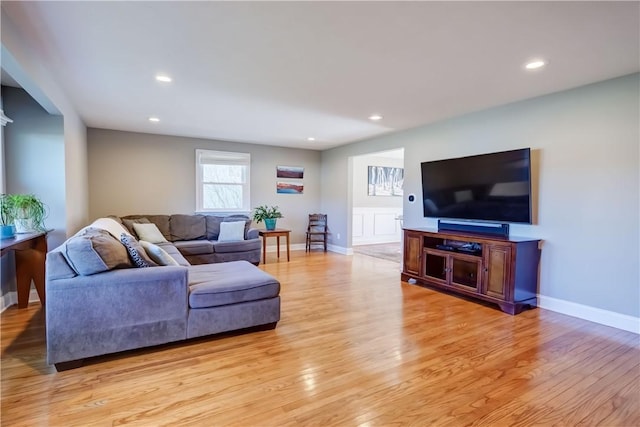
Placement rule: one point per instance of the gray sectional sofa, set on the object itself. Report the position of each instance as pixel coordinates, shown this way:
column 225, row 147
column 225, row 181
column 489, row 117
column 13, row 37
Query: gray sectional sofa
column 196, row 236
column 100, row 301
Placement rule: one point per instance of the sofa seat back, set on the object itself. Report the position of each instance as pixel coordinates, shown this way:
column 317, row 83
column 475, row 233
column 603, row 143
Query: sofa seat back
column 181, row 227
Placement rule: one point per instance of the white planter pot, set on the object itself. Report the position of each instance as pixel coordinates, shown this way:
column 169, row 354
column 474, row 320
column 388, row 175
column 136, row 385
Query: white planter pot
column 24, row 225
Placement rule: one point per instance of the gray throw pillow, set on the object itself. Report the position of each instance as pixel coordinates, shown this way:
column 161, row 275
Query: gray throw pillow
column 136, row 252
column 231, row 231
column 237, row 217
column 94, row 251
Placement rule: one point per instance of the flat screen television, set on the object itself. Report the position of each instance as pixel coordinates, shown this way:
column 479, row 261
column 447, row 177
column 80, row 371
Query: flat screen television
column 493, row 187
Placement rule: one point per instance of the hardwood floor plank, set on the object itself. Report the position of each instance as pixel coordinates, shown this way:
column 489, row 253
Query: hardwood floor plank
column 355, row 346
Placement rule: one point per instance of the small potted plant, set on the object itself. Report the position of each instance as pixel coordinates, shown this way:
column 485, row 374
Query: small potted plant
column 28, row 212
column 268, row 214
column 7, row 219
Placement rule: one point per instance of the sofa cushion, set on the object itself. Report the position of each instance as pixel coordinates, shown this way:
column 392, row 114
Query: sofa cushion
column 129, row 224
column 149, row 233
column 94, row 251
column 57, row 266
column 187, row 227
column 213, row 226
column 231, row 231
column 239, row 246
column 212, row 285
column 194, row 247
column 157, row 254
column 136, row 252
column 175, row 253
column 162, row 222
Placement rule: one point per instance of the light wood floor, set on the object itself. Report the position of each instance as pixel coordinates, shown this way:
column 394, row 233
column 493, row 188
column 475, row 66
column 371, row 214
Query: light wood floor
column 355, row 347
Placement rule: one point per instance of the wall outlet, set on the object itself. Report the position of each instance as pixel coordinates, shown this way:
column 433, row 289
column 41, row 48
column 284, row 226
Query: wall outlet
column 338, row 236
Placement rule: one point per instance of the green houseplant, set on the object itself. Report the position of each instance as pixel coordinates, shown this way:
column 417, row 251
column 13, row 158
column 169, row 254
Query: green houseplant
column 28, row 212
column 268, row 214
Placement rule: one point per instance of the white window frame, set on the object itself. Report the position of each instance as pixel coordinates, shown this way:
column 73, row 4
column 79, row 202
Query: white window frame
column 222, row 158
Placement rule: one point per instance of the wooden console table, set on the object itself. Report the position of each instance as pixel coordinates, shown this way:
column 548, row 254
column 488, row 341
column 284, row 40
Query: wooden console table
column 30, row 250
column 277, row 233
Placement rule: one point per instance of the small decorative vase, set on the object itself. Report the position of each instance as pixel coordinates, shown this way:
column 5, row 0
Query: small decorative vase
column 7, row 231
column 270, row 223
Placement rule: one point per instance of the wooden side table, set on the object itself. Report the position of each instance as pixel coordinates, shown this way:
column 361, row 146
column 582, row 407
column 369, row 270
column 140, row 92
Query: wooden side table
column 277, row 233
column 30, row 251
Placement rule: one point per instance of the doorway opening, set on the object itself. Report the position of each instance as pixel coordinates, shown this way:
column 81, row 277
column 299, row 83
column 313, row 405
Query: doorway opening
column 376, row 223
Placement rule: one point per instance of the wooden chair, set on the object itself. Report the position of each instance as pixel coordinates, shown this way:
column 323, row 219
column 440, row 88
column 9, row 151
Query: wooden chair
column 317, row 231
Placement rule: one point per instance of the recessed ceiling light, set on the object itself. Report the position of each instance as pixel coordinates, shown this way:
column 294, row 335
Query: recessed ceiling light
column 535, row 65
column 163, row 78
column 311, row 139
column 154, row 119
column 375, row 117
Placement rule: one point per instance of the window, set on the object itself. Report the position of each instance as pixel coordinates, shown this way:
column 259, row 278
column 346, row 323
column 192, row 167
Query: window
column 222, row 181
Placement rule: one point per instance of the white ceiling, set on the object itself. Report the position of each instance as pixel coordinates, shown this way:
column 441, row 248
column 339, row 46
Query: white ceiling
column 279, row 72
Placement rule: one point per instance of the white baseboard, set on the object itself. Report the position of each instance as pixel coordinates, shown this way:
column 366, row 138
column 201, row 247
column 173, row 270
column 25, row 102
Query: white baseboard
column 11, row 298
column 593, row 314
column 301, row 247
column 340, row 249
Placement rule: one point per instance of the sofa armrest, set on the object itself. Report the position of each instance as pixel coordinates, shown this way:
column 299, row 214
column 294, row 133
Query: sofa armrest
column 114, row 311
column 252, row 233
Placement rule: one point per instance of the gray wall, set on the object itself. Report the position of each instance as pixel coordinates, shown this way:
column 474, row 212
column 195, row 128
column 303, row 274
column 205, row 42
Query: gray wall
column 25, row 60
column 136, row 173
column 586, row 183
column 34, row 157
column 34, row 164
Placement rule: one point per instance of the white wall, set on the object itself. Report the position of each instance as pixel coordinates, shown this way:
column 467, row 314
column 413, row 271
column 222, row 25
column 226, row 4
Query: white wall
column 136, row 173
column 374, row 217
column 361, row 197
column 585, row 147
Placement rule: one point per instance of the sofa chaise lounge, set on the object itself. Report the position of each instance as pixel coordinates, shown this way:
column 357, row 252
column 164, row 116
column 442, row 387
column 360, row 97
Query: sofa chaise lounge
column 100, row 302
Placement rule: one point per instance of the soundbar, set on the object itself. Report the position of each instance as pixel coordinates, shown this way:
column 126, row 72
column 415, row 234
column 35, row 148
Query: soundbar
column 499, row 230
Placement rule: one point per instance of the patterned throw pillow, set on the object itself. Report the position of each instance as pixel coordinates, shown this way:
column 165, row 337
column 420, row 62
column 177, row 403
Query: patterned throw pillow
column 136, row 251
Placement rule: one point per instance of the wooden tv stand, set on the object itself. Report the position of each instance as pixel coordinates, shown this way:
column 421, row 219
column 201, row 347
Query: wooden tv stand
column 499, row 270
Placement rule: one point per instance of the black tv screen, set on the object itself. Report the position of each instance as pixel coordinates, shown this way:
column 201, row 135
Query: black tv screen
column 488, row 187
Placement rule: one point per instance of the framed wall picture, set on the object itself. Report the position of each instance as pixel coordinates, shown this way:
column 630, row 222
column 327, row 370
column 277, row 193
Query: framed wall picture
column 289, row 188
column 295, row 172
column 385, row 181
